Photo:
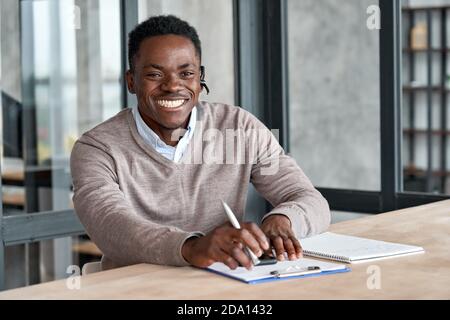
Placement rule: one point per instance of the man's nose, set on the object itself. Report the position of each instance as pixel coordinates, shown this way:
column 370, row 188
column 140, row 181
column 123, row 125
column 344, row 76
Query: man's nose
column 171, row 83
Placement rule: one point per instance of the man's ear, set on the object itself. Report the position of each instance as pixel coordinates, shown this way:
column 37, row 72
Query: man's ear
column 130, row 81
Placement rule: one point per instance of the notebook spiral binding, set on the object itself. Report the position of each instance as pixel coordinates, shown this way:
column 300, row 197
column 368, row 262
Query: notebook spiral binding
column 326, row 256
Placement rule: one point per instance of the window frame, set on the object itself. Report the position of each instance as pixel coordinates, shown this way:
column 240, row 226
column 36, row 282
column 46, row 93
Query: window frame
column 33, row 226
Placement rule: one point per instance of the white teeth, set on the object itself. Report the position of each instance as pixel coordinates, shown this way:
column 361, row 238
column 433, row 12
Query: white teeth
column 170, row 103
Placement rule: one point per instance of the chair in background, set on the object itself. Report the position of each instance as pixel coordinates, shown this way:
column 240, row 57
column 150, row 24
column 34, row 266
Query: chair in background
column 91, row 267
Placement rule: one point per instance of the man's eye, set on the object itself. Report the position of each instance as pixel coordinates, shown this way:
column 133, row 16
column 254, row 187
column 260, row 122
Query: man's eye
column 153, row 75
column 187, row 74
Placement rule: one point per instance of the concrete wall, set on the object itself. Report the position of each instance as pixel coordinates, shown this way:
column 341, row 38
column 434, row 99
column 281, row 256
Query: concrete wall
column 10, row 49
column 334, row 93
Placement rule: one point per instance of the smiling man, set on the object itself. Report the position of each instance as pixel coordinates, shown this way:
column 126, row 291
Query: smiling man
column 141, row 197
column 164, row 76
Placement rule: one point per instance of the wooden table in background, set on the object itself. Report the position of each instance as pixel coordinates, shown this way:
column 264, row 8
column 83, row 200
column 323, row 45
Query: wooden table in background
column 16, row 199
column 423, row 276
column 14, row 175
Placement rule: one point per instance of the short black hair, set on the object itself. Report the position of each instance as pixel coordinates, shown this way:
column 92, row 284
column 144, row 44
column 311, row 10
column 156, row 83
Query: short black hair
column 159, row 26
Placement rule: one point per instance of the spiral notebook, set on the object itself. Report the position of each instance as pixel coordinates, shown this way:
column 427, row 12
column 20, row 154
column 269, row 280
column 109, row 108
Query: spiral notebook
column 350, row 249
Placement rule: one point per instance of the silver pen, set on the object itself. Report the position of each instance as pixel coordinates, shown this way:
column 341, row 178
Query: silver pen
column 236, row 224
column 295, row 271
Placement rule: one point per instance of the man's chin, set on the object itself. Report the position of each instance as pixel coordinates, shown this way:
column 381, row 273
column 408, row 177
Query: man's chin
column 173, row 125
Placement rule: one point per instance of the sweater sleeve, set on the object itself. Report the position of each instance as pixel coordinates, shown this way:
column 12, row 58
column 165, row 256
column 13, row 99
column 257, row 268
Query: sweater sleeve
column 123, row 236
column 283, row 183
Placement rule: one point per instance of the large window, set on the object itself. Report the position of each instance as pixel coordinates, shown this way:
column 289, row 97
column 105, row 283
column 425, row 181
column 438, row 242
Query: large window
column 61, row 75
column 68, row 75
column 334, row 102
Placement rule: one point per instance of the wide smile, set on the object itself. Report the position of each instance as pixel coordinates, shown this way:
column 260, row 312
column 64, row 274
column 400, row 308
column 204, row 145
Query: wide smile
column 171, row 104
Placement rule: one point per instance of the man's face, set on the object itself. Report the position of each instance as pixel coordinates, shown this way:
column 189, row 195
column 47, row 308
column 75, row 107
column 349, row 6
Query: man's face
column 166, row 80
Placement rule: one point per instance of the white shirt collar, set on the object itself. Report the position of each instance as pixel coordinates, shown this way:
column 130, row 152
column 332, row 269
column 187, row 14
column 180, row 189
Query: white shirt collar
column 151, row 138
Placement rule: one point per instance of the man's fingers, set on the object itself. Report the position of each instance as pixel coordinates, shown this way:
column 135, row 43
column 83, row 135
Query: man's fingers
column 258, row 234
column 236, row 251
column 228, row 260
column 298, row 247
column 247, row 239
column 289, row 247
column 279, row 247
column 241, row 258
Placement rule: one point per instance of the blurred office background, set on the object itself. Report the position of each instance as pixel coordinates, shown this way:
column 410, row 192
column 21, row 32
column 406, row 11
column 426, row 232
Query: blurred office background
column 61, row 73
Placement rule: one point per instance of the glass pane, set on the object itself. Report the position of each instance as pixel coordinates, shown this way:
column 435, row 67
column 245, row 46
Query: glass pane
column 11, row 100
column 63, row 60
column 213, row 20
column 334, row 92
column 60, row 76
column 426, row 84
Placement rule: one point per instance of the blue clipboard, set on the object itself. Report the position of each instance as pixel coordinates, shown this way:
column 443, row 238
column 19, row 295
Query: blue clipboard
column 265, row 276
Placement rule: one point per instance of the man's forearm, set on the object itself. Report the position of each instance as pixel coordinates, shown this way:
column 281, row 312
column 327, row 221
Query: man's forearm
column 292, row 194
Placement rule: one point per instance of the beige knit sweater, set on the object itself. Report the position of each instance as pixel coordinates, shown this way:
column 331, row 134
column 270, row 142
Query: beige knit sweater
column 138, row 206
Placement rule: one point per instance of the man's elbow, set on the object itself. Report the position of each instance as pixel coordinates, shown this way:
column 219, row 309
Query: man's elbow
column 323, row 215
column 326, row 215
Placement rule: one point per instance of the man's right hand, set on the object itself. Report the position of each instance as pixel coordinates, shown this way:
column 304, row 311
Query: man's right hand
column 226, row 244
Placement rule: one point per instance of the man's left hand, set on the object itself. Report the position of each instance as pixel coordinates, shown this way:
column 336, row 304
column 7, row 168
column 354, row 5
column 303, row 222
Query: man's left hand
column 279, row 230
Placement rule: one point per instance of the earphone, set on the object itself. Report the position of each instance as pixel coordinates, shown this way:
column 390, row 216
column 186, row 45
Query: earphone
column 202, row 79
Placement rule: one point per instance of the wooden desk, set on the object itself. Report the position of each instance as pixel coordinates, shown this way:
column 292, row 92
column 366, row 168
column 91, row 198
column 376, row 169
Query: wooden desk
column 423, row 276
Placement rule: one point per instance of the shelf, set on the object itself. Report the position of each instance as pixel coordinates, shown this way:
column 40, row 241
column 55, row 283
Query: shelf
column 421, row 68
column 411, row 50
column 14, row 199
column 425, row 8
column 425, row 131
column 13, row 175
column 413, row 171
column 425, row 88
